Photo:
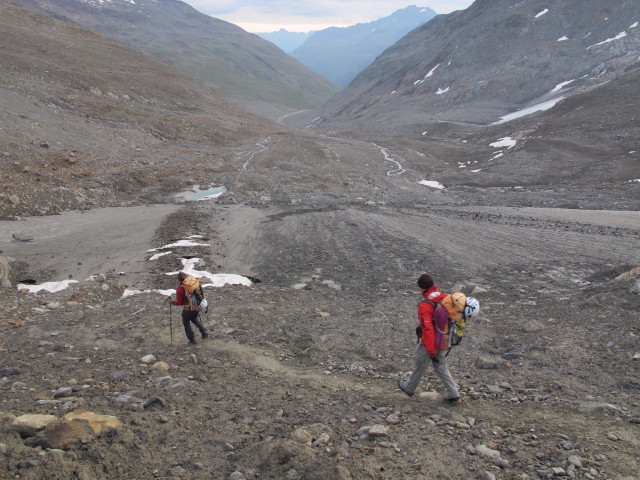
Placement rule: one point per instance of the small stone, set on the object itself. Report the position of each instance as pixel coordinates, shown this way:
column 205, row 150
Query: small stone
column 323, row 439
column 431, row 395
column 5, row 372
column 378, row 431
column 63, row 392
column 236, row 476
column 490, row 363
column 488, row 452
column 44, row 144
column 393, row 419
column 462, row 425
column 163, row 366
column 148, row 359
column 155, row 401
column 302, row 437
column 613, row 437
column 558, row 472
column 575, row 460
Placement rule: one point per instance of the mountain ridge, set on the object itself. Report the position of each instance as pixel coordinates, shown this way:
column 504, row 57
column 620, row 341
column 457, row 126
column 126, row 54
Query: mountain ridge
column 241, row 65
column 340, row 53
column 492, row 59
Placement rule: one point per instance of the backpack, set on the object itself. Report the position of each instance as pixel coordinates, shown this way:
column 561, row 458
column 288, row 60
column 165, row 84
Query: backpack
column 449, row 319
column 195, row 294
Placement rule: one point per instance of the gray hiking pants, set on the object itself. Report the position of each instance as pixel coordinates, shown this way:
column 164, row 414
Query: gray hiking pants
column 422, row 362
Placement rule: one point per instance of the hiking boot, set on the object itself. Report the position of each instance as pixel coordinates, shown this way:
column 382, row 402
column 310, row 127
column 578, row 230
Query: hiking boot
column 192, row 342
column 452, row 399
column 205, row 335
column 401, row 386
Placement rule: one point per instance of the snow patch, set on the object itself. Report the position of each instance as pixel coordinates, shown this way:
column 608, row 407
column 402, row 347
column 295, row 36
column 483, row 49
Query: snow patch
column 504, row 142
column 432, row 184
column 427, row 75
column 546, row 10
column 441, row 91
column 180, row 243
column 617, row 37
column 562, row 39
column 560, row 86
column 527, row 111
column 47, row 286
column 158, row 255
column 215, row 279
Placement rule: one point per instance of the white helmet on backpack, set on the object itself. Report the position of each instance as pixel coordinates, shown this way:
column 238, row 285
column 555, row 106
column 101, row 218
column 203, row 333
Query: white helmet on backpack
column 471, row 309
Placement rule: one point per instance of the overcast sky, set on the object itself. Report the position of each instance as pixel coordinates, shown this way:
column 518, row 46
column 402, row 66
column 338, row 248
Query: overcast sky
column 306, row 15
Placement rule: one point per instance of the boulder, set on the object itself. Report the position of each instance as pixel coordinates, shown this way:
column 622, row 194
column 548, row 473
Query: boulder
column 77, row 428
column 32, row 423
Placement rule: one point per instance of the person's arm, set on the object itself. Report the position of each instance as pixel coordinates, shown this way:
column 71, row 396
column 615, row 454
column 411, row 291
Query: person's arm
column 179, row 297
column 425, row 315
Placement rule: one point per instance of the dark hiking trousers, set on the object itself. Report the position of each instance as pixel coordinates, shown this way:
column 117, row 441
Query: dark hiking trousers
column 188, row 317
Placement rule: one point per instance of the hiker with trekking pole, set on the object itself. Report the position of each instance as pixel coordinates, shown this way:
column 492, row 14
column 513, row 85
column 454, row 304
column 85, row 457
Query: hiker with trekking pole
column 441, row 321
column 189, row 295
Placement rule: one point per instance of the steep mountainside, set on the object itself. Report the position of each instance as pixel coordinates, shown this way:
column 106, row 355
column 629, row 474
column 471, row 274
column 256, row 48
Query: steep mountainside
column 88, row 122
column 339, row 54
column 287, row 41
column 494, row 58
column 241, row 65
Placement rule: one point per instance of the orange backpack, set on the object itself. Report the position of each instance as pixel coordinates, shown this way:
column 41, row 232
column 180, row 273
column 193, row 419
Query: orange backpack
column 194, row 292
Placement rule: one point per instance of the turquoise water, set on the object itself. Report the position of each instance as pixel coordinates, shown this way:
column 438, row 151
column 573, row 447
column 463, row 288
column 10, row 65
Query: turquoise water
column 193, row 196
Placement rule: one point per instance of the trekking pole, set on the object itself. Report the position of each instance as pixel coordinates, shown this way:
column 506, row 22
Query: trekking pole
column 170, row 324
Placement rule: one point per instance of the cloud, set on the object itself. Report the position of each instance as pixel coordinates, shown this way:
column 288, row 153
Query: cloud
column 296, row 15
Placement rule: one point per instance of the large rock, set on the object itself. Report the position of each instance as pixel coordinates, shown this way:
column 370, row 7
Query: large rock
column 32, row 423
column 633, row 273
column 77, row 428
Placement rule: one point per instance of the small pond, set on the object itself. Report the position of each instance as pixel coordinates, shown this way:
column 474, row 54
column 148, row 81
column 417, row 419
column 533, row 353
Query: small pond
column 196, row 193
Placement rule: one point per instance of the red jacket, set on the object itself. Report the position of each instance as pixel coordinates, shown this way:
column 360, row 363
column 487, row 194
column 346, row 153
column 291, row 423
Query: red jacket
column 425, row 315
column 181, row 299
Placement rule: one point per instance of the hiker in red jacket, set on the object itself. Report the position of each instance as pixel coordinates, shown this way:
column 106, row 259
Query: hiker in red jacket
column 188, row 316
column 426, row 350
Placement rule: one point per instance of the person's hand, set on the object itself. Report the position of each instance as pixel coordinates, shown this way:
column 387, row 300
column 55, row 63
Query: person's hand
column 434, row 359
column 419, row 331
column 168, row 299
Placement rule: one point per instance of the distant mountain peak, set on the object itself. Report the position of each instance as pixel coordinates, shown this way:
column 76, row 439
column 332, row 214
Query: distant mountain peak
column 340, row 53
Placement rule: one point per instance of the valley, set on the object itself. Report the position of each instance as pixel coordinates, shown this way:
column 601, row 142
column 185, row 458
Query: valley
column 309, row 252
